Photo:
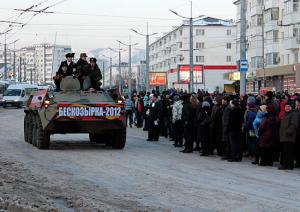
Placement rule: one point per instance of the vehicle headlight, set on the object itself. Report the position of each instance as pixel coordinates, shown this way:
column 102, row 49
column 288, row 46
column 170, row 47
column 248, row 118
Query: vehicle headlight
column 3, row 100
column 120, row 101
column 16, row 100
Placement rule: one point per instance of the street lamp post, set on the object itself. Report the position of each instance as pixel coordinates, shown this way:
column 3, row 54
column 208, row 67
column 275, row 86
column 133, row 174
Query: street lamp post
column 191, row 18
column 147, row 53
column 129, row 65
column 5, row 53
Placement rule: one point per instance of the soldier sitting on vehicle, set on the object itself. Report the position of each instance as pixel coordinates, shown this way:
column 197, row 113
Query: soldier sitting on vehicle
column 94, row 75
column 65, row 69
column 82, row 69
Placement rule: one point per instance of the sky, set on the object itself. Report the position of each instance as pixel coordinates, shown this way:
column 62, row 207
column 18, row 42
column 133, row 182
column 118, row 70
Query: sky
column 91, row 24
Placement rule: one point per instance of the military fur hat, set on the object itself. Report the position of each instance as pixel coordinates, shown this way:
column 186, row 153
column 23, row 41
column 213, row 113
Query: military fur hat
column 70, row 55
column 92, row 59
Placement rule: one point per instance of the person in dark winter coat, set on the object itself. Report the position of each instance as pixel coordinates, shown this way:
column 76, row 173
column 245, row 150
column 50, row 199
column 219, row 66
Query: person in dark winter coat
column 225, row 125
column 204, row 128
column 188, row 119
column 297, row 144
column 288, row 133
column 269, row 136
column 62, row 72
column 82, row 69
column 235, row 131
column 155, row 110
column 249, row 118
column 94, row 74
column 216, row 126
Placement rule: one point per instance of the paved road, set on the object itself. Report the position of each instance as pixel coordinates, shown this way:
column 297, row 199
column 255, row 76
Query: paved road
column 76, row 175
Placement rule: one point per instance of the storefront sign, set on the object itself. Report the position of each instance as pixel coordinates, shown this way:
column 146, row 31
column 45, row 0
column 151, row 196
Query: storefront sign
column 234, row 76
column 184, row 74
column 157, row 79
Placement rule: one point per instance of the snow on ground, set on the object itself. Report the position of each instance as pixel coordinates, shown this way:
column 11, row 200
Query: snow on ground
column 77, row 175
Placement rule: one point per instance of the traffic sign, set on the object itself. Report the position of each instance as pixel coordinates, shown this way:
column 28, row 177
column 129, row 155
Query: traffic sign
column 243, row 65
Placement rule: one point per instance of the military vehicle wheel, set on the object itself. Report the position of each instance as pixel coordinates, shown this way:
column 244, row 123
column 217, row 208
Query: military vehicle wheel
column 95, row 138
column 119, row 139
column 26, row 127
column 30, row 128
column 42, row 136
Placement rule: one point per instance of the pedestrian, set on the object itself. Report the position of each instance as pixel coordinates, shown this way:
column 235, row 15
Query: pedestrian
column 225, row 124
column 145, row 109
column 216, row 126
column 128, row 108
column 268, row 136
column 297, row 144
column 177, row 121
column 204, row 128
column 248, row 128
column 188, row 118
column 288, row 132
column 155, row 110
column 235, row 131
column 256, row 124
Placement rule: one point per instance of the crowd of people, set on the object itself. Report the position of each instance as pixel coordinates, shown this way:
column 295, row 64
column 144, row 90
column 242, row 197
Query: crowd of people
column 264, row 128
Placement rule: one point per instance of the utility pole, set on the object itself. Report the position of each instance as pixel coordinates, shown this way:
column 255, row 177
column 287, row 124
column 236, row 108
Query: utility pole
column 110, row 73
column 129, row 64
column 103, row 68
column 147, row 53
column 120, row 76
column 243, row 45
column 5, row 57
column 191, row 20
column 263, row 40
column 20, row 69
column 191, row 52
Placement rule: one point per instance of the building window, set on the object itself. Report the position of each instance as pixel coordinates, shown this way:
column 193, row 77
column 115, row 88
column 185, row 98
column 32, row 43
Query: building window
column 272, row 14
column 275, row 36
column 288, row 59
column 295, row 5
column 200, row 32
column 200, row 59
column 259, row 19
column 180, row 45
column 228, row 32
column 296, row 58
column 180, row 32
column 228, row 45
column 199, row 45
column 273, row 58
column 228, row 59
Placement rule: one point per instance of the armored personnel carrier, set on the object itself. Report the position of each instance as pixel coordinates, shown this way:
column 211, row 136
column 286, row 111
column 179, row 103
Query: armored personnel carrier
column 74, row 111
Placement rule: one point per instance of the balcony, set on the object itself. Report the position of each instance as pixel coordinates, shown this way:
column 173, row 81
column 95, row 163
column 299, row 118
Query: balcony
column 271, row 4
column 291, row 18
column 292, row 43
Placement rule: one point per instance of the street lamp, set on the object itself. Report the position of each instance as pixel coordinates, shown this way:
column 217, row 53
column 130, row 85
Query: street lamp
column 147, row 53
column 110, row 70
column 5, row 53
column 129, row 64
column 191, row 18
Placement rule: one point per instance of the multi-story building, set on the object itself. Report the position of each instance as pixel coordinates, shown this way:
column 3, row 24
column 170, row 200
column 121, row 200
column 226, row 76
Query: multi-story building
column 214, row 54
column 273, row 43
column 37, row 64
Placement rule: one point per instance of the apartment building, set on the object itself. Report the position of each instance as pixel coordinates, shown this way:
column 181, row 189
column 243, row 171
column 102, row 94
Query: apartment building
column 273, row 43
column 36, row 64
column 214, row 54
